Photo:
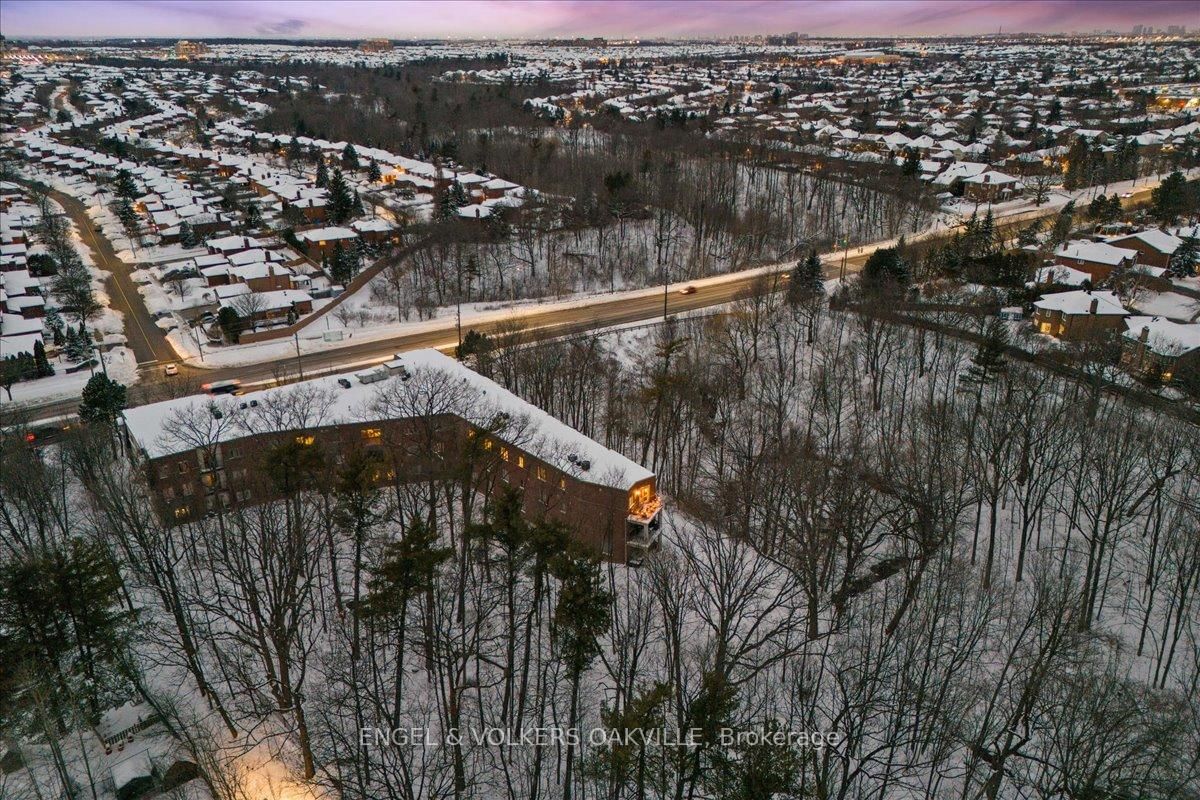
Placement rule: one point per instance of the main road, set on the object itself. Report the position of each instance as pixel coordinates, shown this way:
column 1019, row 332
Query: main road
column 588, row 314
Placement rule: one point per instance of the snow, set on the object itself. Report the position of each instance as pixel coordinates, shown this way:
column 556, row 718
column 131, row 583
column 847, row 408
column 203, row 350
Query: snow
column 1171, row 305
column 543, row 436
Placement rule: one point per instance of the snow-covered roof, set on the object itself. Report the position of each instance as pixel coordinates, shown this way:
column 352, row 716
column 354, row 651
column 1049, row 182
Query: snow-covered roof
column 1080, row 302
column 1154, row 238
column 467, row 394
column 1164, row 336
column 1096, row 252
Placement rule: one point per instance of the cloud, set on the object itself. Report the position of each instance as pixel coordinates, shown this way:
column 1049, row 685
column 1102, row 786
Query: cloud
column 286, row 27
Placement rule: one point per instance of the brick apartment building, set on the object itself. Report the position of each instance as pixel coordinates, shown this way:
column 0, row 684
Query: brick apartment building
column 425, row 417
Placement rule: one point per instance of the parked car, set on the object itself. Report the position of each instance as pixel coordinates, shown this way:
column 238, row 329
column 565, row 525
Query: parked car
column 170, row 370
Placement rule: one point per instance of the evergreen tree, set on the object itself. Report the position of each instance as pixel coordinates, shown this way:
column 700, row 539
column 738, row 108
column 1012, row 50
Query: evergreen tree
column 230, row 324
column 63, row 623
column 1169, row 198
column 350, row 157
column 374, row 175
column 1184, row 259
column 912, row 163
column 254, row 217
column 1063, row 224
column 54, row 322
column 358, row 205
column 41, row 363
column 458, row 195
column 581, row 616
column 341, row 202
column 322, row 179
column 101, row 400
column 125, row 186
column 988, row 362
column 293, row 153
column 885, row 268
column 187, row 236
column 807, row 280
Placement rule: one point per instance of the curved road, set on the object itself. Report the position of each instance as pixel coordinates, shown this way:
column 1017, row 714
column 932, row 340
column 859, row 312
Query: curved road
column 149, row 343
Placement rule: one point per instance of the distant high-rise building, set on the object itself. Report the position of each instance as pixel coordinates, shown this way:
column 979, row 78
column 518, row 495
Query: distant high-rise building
column 187, row 50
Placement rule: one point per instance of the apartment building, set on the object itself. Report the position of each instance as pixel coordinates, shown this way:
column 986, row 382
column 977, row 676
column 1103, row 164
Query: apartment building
column 424, row 416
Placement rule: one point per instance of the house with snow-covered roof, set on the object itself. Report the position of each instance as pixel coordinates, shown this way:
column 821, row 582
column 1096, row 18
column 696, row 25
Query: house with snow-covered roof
column 1098, row 259
column 1079, row 314
column 1159, row 348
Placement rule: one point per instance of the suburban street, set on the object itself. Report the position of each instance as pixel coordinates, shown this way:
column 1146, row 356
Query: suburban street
column 152, row 349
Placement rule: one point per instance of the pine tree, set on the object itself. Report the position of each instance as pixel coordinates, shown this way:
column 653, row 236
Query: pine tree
column 54, row 322
column 102, row 400
column 1184, row 259
column 187, row 236
column 912, row 163
column 350, row 157
column 125, row 187
column 988, row 362
column 341, row 202
column 322, row 179
column 373, row 173
column 358, row 205
column 807, row 280
column 1063, row 224
column 41, row 363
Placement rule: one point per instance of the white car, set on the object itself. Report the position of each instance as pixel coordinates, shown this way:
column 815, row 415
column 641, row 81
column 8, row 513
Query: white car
column 170, row 370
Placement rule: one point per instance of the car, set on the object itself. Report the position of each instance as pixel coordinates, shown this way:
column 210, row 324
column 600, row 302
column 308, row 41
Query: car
column 170, row 370
column 1127, row 194
column 342, row 382
column 688, row 290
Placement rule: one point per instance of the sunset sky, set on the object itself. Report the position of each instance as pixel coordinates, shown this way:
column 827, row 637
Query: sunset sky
column 564, row 18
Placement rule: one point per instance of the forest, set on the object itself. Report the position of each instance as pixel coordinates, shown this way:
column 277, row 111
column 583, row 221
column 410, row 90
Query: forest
column 978, row 575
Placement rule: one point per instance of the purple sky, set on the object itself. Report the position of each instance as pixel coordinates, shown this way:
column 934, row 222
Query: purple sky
column 543, row 18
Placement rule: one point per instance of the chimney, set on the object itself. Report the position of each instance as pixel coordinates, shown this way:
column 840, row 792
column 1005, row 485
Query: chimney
column 1145, row 335
column 1094, row 306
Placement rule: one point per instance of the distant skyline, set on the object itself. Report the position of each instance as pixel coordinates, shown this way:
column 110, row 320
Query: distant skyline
column 401, row 19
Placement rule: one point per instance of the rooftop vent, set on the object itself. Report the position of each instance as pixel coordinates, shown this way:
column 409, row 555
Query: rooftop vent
column 584, row 464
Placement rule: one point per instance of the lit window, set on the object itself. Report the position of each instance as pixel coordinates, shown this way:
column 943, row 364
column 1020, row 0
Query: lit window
column 182, row 511
column 487, row 444
column 305, row 441
column 562, row 484
column 504, row 453
column 541, row 473
column 372, row 433
column 521, row 462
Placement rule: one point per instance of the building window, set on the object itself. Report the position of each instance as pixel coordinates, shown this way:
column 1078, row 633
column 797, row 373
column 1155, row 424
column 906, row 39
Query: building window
column 372, row 433
column 169, row 493
column 182, row 467
column 164, row 472
column 562, row 484
column 521, row 462
column 243, row 495
column 487, row 444
column 504, row 453
column 181, row 512
column 305, row 440
column 187, row 490
column 541, row 473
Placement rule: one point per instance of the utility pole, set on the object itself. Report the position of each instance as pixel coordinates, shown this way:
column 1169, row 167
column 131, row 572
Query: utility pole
column 299, row 364
column 845, row 257
column 666, row 290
